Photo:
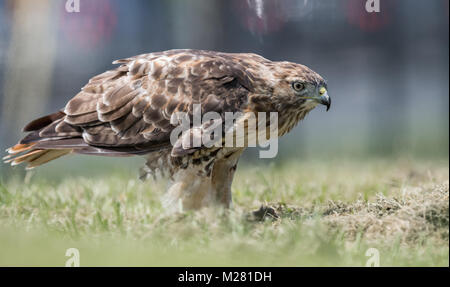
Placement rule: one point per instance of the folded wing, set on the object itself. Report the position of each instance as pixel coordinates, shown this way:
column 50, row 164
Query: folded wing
column 127, row 111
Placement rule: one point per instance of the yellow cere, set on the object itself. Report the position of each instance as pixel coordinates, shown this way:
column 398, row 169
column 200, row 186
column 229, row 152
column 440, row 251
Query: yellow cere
column 322, row 90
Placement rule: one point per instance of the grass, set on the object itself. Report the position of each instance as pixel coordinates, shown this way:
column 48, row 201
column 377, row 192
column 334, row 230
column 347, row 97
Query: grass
column 329, row 213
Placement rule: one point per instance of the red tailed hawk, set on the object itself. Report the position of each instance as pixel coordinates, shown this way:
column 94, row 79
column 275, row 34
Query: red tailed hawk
column 127, row 111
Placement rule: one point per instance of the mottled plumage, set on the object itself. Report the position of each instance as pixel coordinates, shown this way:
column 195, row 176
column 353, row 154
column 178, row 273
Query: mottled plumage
column 127, row 111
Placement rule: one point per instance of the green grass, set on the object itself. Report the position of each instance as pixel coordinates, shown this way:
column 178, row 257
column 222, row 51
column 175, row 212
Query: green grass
column 330, row 213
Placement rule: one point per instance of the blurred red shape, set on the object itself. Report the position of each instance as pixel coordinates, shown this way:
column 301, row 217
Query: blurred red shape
column 358, row 15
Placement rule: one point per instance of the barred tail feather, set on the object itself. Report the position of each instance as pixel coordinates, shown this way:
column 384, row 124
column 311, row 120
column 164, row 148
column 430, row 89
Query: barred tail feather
column 33, row 157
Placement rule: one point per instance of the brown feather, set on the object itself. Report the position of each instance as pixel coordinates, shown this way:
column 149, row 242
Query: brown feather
column 29, row 156
column 46, row 157
column 117, row 113
column 82, row 103
column 18, row 148
column 82, row 120
column 43, row 121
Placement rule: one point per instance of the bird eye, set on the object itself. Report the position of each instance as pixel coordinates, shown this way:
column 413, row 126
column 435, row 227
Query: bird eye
column 298, row 86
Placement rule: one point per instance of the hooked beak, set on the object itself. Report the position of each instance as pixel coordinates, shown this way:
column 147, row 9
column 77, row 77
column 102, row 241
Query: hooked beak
column 324, row 99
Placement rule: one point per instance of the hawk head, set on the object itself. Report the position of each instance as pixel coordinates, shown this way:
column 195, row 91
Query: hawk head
column 299, row 87
column 290, row 89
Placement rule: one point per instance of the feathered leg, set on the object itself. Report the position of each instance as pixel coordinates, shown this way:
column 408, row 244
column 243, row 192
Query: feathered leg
column 222, row 178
